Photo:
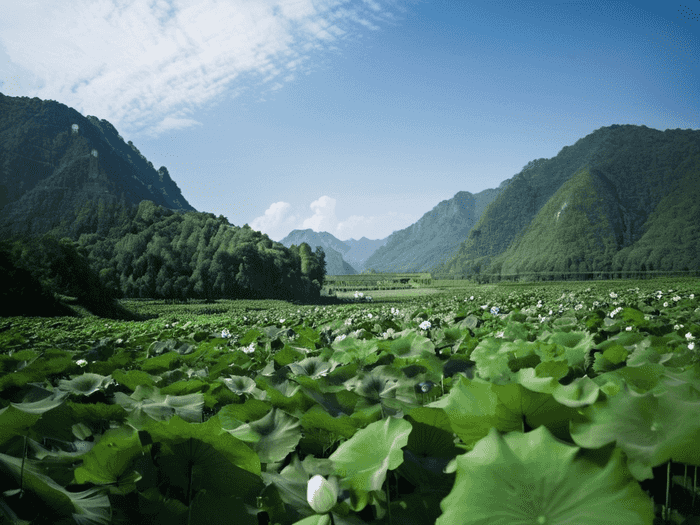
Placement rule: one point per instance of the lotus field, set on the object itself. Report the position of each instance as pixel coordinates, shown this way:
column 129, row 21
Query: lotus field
column 541, row 404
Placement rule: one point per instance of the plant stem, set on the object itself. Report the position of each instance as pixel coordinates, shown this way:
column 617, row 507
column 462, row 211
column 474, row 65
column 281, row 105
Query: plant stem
column 21, row 472
column 189, row 496
column 388, row 500
column 667, row 514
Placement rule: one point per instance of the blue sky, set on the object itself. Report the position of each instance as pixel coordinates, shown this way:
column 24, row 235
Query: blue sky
column 354, row 117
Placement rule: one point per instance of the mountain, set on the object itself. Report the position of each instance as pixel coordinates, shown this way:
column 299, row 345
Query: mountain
column 435, row 237
column 53, row 160
column 361, row 250
column 333, row 247
column 623, row 198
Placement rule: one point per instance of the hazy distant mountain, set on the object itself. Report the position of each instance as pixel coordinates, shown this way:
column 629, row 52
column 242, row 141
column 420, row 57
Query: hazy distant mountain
column 622, row 198
column 334, row 248
column 53, row 160
column 361, row 250
column 435, row 237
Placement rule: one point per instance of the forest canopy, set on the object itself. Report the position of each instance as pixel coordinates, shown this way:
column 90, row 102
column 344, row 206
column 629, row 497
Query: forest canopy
column 151, row 251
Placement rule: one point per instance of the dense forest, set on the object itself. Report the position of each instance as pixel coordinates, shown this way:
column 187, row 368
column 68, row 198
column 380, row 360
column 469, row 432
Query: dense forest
column 623, row 200
column 118, row 250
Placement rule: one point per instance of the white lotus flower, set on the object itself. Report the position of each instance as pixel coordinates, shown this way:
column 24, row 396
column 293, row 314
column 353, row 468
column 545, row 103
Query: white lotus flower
column 321, row 494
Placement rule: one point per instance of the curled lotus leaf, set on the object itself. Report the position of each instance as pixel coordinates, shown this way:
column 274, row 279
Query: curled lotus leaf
column 85, row 384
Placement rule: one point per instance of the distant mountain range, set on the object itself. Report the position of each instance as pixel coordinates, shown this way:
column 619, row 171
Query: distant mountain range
column 623, row 198
column 53, row 160
column 420, row 247
column 342, row 257
column 435, row 237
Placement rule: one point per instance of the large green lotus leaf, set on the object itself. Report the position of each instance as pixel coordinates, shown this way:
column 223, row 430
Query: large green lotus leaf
column 363, row 460
column 286, row 395
column 85, row 384
column 412, row 345
column 651, row 428
column 492, row 359
column 582, row 391
column 214, row 488
column 234, row 450
column 351, row 349
column 316, row 519
column 643, row 376
column 19, row 417
column 109, row 460
column 147, row 403
column 471, row 407
column 133, row 378
column 687, row 380
column 86, row 508
column 317, row 418
column 475, row 406
column 576, row 345
column 534, row 479
column 381, row 382
column 273, row 437
column 529, row 379
column 336, row 400
column 251, row 410
column 518, row 405
column 312, row 367
column 243, row 385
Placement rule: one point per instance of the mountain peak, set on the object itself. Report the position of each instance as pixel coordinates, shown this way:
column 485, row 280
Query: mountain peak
column 80, row 159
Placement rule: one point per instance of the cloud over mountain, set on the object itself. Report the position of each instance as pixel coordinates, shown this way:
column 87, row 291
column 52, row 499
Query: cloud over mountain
column 281, row 218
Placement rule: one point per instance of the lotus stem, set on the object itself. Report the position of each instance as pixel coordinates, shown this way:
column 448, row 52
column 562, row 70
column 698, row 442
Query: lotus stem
column 21, row 472
column 667, row 513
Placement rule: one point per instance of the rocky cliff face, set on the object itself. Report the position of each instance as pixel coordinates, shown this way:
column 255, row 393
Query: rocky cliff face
column 53, row 160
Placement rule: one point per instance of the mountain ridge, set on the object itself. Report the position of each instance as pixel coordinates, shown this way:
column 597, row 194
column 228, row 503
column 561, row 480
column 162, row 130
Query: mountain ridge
column 53, row 160
column 630, row 170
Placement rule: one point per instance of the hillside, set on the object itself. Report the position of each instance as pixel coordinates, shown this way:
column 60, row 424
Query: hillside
column 86, row 216
column 435, row 236
column 333, row 248
column 621, row 198
column 361, row 250
column 53, row 160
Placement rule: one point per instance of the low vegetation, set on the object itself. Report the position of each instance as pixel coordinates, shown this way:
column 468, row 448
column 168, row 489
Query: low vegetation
column 447, row 408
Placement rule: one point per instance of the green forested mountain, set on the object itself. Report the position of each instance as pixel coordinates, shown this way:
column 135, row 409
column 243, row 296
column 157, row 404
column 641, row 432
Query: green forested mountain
column 85, row 215
column 53, row 160
column 361, row 250
column 435, row 236
column 621, row 198
column 333, row 248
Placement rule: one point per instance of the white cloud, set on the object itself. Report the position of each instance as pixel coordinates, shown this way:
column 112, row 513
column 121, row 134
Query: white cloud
column 278, row 221
column 143, row 64
column 324, row 218
column 169, row 123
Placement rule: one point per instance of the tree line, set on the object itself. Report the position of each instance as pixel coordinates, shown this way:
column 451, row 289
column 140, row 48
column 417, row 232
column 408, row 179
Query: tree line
column 113, row 250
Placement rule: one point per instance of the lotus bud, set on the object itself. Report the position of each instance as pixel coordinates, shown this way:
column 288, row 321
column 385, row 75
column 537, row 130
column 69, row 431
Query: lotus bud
column 321, row 494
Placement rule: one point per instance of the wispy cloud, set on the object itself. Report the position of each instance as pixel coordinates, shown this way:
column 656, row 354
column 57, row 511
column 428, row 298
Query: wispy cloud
column 146, row 65
column 279, row 220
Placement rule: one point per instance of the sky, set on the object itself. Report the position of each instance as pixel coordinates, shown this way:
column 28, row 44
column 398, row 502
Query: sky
column 354, row 117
